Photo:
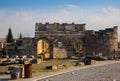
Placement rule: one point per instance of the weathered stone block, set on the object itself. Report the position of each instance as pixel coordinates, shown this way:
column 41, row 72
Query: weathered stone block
column 59, row 53
column 61, row 66
column 94, row 62
column 81, row 64
column 36, row 61
column 53, row 67
column 26, row 62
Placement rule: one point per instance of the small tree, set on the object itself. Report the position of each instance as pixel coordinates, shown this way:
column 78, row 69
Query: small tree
column 20, row 36
column 9, row 37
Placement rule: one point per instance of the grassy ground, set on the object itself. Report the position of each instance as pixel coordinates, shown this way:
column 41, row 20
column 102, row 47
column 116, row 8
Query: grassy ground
column 41, row 67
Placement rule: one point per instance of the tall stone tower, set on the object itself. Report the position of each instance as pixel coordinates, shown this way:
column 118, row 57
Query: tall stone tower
column 111, row 41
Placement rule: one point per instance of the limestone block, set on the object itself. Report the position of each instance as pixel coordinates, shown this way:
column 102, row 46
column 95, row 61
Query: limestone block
column 53, row 67
column 61, row 66
column 36, row 61
column 81, row 63
column 94, row 62
column 39, row 61
column 26, row 62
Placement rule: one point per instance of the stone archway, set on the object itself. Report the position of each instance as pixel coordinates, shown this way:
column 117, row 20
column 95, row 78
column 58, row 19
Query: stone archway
column 43, row 46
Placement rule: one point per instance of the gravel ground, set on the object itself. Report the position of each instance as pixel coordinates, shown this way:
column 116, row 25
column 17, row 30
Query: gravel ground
column 101, row 73
column 4, row 77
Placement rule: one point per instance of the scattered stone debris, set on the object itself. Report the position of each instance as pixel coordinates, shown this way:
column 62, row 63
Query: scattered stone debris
column 79, row 64
column 15, row 73
column 61, row 66
column 94, row 62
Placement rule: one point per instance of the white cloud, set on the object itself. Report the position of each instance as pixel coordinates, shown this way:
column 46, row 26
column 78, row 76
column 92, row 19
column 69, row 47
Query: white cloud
column 64, row 13
column 71, row 6
column 107, row 16
column 111, row 11
column 103, row 20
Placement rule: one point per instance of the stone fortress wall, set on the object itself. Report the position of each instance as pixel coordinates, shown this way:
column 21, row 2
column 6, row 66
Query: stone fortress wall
column 74, row 39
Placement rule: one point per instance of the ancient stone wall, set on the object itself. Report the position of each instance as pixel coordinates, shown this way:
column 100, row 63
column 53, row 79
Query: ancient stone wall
column 59, row 53
column 75, row 40
column 59, row 27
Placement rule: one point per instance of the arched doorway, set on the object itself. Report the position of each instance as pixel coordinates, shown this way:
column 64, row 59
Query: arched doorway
column 43, row 48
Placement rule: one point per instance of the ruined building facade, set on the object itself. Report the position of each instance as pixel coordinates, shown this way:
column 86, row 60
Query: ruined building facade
column 67, row 40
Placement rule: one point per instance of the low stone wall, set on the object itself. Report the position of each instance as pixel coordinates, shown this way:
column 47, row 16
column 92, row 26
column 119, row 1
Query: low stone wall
column 59, row 53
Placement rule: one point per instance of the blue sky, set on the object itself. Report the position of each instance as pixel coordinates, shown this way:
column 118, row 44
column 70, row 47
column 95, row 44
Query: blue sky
column 21, row 15
column 38, row 4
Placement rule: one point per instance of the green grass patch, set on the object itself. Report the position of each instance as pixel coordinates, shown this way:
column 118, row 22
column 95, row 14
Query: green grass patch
column 41, row 67
column 42, row 70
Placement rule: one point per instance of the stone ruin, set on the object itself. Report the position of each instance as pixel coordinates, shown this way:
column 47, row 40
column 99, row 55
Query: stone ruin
column 58, row 41
column 67, row 40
